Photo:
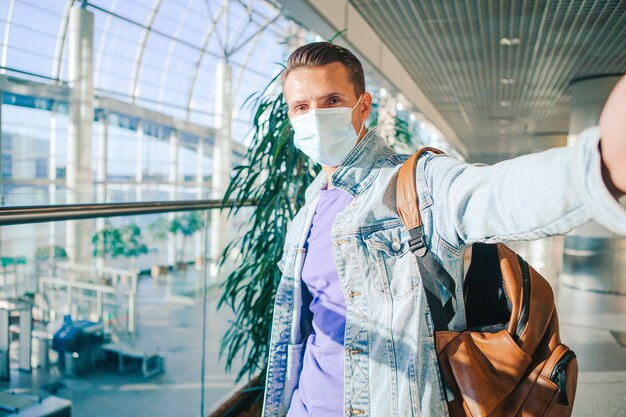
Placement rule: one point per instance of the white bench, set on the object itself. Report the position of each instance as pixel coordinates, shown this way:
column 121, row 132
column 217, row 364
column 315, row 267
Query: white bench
column 152, row 362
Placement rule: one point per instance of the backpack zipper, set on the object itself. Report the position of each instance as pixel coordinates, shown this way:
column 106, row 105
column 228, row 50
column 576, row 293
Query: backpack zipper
column 559, row 375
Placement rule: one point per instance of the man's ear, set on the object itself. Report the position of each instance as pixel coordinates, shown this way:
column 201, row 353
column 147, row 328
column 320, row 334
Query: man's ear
column 366, row 105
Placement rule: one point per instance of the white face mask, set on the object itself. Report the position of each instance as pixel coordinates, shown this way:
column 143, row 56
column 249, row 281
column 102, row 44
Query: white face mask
column 326, row 135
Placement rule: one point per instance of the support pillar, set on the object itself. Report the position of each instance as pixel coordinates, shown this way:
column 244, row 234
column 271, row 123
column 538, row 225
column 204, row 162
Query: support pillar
column 199, row 237
column 222, row 159
column 593, row 258
column 2, row 198
column 101, row 175
column 52, row 176
column 81, row 113
column 139, row 166
column 102, row 157
column 173, row 193
column 1, row 155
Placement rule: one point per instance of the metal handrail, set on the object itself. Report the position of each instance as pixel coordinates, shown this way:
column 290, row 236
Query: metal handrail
column 59, row 212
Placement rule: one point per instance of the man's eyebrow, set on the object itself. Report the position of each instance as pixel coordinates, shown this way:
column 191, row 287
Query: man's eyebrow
column 325, row 96
column 334, row 93
column 296, row 102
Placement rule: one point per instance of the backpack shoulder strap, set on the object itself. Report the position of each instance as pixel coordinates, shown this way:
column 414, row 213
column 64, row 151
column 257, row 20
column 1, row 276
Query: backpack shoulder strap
column 406, row 194
column 438, row 285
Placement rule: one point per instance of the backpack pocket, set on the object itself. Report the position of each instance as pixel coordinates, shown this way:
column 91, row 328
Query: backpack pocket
column 553, row 393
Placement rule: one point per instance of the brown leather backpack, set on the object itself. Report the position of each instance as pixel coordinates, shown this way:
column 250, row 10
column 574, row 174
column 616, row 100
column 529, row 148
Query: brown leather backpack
column 510, row 360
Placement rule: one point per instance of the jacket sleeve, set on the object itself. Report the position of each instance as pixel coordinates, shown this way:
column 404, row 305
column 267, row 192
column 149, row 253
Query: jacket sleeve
column 525, row 198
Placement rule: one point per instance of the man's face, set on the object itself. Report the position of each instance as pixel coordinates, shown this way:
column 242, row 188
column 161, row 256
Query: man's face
column 322, row 87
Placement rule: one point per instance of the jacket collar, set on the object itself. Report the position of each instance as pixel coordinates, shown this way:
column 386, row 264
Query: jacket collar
column 359, row 168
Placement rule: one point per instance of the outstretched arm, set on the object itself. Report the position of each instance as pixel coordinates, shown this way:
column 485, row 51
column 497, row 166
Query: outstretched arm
column 613, row 140
column 538, row 195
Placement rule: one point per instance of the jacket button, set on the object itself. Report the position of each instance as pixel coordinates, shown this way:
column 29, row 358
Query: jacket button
column 396, row 245
column 355, row 351
column 353, row 294
column 355, row 411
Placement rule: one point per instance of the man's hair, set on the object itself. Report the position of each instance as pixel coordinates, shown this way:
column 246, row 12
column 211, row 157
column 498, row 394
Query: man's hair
column 318, row 54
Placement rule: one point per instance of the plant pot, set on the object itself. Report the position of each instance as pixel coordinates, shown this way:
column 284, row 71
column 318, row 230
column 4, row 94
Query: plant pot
column 247, row 402
column 158, row 271
column 181, row 266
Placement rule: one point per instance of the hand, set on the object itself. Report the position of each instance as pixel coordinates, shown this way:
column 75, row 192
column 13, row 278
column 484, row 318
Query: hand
column 613, row 137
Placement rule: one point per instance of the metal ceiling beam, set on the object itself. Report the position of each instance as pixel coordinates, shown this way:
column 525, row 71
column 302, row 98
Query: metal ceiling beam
column 61, row 37
column 32, row 88
column 327, row 18
column 260, row 30
column 239, row 82
column 141, row 48
column 211, row 30
column 7, row 33
column 102, row 45
column 165, row 68
column 21, row 86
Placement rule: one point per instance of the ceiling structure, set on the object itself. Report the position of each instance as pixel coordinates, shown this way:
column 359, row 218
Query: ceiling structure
column 161, row 55
column 497, row 71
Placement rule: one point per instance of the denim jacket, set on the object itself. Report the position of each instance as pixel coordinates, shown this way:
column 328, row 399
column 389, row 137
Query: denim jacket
column 390, row 366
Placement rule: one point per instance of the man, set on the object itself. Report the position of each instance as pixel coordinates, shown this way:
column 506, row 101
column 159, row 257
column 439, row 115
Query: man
column 351, row 332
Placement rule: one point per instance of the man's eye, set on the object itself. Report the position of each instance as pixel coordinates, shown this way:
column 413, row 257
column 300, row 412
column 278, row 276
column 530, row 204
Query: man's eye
column 300, row 108
column 334, row 101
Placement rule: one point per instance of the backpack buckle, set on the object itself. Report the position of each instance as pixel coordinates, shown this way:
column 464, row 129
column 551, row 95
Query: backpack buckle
column 416, row 242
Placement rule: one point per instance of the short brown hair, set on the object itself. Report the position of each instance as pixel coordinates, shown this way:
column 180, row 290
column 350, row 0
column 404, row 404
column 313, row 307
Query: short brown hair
column 318, row 54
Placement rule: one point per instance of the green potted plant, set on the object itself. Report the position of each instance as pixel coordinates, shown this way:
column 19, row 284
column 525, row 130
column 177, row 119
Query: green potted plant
column 50, row 253
column 160, row 231
column 186, row 224
column 132, row 243
column 112, row 242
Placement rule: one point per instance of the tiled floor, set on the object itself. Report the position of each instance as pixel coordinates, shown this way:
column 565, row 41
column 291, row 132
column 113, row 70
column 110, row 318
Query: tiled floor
column 592, row 325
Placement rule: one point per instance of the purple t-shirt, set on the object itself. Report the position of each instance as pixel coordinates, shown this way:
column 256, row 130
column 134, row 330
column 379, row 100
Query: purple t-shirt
column 320, row 387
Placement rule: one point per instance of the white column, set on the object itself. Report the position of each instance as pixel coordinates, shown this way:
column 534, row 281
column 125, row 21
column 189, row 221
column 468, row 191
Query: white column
column 81, row 112
column 102, row 157
column 101, row 174
column 593, row 257
column 222, row 158
column 52, row 173
column 173, row 193
column 198, row 237
column 140, row 162
column 1, row 153
column 2, row 197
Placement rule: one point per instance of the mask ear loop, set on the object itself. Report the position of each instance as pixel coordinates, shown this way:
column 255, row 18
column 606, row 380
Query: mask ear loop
column 363, row 124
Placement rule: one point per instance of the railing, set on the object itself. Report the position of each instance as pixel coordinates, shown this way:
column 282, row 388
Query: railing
column 42, row 214
column 82, row 282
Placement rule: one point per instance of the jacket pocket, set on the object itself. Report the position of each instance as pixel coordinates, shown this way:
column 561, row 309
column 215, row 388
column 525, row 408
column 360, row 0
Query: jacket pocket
column 394, row 266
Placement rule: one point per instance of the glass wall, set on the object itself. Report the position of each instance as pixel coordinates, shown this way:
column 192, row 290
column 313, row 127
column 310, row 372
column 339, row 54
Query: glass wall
column 160, row 83
column 138, row 320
